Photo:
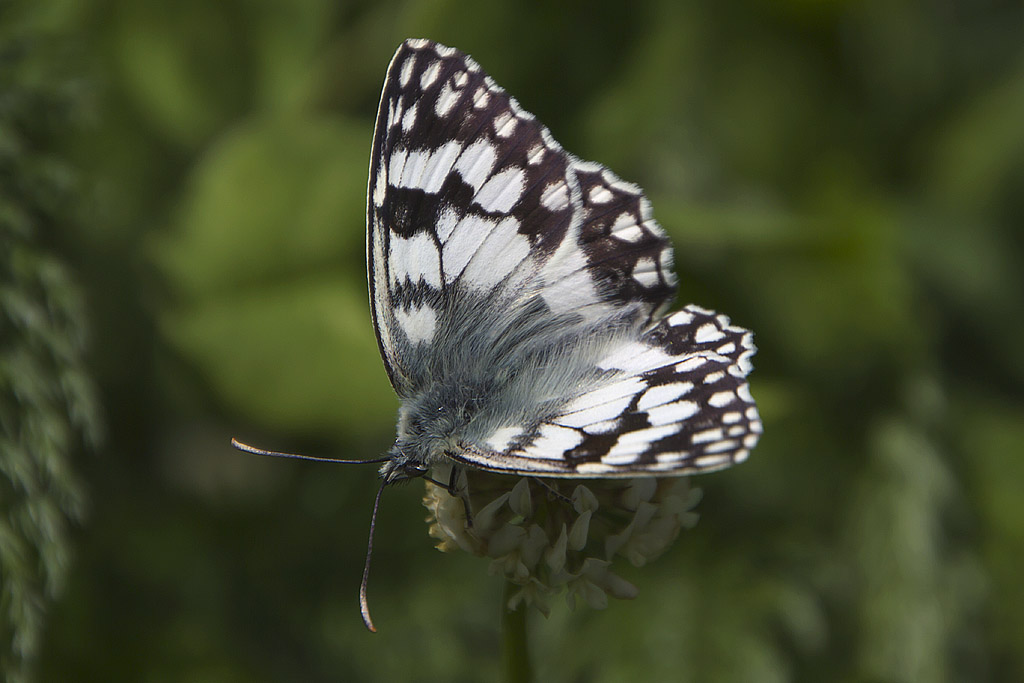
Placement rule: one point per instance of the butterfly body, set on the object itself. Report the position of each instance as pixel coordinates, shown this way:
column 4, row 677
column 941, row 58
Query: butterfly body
column 518, row 295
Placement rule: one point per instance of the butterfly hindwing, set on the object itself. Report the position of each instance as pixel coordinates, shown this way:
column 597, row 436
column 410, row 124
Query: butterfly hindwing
column 627, row 251
column 674, row 401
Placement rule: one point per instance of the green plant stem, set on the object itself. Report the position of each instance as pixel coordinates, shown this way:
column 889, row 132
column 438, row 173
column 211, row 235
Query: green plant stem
column 515, row 654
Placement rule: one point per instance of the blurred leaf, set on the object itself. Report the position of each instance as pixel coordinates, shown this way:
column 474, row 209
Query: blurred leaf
column 981, row 147
column 841, row 294
column 298, row 356
column 49, row 407
column 273, row 199
column 992, row 435
column 186, row 89
column 287, row 37
column 915, row 593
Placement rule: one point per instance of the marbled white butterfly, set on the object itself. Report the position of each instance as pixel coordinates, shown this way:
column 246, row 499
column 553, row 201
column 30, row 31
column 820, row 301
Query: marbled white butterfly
column 519, row 295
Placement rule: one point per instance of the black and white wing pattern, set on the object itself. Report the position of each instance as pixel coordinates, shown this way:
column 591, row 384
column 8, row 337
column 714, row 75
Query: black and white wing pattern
column 675, row 401
column 517, row 293
column 469, row 192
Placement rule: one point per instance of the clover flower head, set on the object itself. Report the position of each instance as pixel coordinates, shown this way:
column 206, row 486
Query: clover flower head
column 554, row 535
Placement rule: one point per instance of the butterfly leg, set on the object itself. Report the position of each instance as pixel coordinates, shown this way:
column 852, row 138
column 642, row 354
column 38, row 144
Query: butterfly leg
column 552, row 490
column 452, row 487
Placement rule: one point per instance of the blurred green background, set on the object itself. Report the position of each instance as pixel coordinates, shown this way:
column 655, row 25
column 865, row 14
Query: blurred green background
column 181, row 209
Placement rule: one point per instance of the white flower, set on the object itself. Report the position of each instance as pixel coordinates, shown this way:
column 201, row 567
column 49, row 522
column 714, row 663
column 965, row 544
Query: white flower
column 551, row 535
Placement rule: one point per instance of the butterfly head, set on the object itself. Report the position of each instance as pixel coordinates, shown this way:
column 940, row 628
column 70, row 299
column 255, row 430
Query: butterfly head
column 402, row 464
column 431, row 425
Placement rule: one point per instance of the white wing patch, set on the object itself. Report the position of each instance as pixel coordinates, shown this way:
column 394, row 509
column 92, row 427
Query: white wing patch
column 423, row 169
column 409, row 116
column 662, row 394
column 503, row 437
column 555, row 196
column 645, row 272
column 501, row 192
column 430, row 75
column 635, row 357
column 447, row 219
column 500, row 254
column 604, row 412
column 481, row 97
column 414, row 259
column 476, row 163
column 631, row 444
column 567, row 284
column 464, row 241
column 406, row 73
column 600, row 195
column 626, row 229
column 447, row 100
column 418, row 323
column 553, row 442
column 708, row 333
column 722, row 399
column 504, row 125
column 672, row 412
column 572, row 292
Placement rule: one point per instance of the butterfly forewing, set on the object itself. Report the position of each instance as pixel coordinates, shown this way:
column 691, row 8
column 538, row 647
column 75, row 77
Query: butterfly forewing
column 517, row 294
column 460, row 194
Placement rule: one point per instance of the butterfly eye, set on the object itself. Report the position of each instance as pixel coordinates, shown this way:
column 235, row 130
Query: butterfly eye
column 414, row 469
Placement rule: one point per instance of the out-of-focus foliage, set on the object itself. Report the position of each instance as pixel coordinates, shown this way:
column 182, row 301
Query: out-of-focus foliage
column 48, row 405
column 842, row 177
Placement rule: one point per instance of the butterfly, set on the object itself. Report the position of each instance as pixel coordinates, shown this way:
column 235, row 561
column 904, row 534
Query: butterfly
column 519, row 298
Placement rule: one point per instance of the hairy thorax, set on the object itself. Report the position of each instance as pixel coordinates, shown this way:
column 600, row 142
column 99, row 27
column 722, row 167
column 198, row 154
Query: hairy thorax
column 492, row 388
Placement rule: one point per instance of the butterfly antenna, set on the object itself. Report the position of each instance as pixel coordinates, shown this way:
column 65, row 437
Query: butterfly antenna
column 298, row 456
column 364, row 604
